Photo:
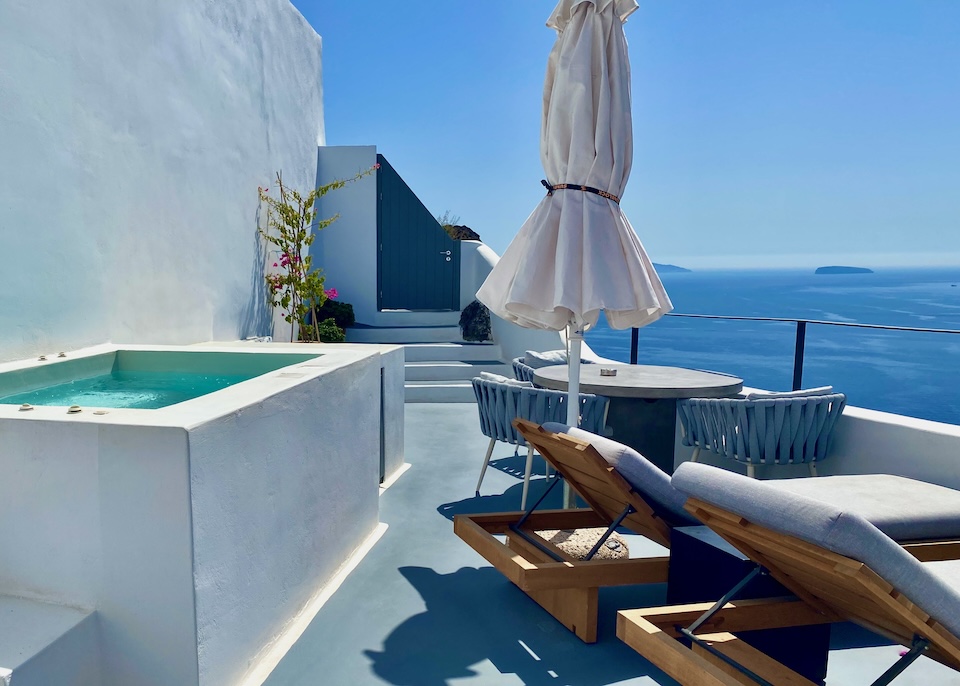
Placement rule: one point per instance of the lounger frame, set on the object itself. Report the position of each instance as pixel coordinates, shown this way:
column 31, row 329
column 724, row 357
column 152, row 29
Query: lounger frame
column 565, row 587
column 828, row 588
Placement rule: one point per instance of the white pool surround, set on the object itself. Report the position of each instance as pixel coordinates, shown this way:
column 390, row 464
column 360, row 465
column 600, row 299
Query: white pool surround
column 199, row 530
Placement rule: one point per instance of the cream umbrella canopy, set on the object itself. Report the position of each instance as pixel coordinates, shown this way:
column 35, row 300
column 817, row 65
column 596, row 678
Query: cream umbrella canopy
column 577, row 253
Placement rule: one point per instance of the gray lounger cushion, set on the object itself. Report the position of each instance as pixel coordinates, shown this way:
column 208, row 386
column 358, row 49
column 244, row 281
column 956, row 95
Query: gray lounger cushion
column 648, row 480
column 903, row 509
column 829, row 526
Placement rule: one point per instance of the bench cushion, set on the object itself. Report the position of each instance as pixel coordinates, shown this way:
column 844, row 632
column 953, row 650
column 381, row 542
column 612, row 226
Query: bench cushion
column 834, row 527
column 903, row 509
column 648, row 480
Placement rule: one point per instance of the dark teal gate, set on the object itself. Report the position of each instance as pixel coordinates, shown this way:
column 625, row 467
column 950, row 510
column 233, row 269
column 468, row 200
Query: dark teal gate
column 418, row 267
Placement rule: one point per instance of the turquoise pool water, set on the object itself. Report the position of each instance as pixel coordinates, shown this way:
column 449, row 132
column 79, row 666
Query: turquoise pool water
column 138, row 379
column 140, row 390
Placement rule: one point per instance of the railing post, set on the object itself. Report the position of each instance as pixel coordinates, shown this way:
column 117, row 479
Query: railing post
column 798, row 355
column 634, row 344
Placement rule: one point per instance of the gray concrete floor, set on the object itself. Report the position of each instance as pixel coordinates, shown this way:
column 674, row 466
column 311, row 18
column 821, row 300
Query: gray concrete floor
column 423, row 609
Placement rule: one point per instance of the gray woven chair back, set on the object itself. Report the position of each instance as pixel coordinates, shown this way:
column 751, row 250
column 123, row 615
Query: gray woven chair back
column 521, row 370
column 499, row 404
column 762, row 431
column 524, row 372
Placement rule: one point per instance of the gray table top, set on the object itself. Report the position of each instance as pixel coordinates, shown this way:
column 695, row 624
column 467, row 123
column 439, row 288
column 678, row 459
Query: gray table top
column 642, row 381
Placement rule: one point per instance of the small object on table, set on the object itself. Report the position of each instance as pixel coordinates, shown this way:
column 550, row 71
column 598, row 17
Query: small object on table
column 607, row 371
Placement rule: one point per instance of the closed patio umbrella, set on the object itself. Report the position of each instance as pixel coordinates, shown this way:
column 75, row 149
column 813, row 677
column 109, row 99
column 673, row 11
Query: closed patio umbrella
column 577, row 253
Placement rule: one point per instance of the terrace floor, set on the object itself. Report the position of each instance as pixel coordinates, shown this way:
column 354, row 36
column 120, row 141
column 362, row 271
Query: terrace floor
column 423, row 609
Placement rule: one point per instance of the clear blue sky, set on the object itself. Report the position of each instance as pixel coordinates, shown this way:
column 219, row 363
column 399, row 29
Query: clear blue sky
column 767, row 132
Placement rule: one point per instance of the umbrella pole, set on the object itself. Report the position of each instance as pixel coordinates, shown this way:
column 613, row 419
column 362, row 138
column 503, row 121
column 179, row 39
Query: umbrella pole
column 573, row 381
column 575, row 339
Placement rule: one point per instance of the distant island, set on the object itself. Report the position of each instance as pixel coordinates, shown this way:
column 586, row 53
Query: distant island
column 669, row 268
column 843, row 270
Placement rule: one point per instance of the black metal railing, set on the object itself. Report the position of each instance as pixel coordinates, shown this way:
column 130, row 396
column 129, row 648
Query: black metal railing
column 801, row 324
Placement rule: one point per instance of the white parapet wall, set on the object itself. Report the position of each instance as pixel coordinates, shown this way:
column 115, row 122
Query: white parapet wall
column 872, row 442
column 133, row 137
column 869, row 442
column 199, row 531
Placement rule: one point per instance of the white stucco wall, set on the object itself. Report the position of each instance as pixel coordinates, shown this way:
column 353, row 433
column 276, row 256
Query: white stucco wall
column 133, row 137
column 147, row 607
column 393, row 373
column 50, row 490
column 198, row 531
column 347, row 249
column 871, row 442
column 256, row 566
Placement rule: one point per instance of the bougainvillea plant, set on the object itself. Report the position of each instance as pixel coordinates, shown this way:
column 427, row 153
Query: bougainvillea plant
column 292, row 225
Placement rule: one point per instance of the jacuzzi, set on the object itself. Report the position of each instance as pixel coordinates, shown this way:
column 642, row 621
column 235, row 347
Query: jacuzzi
column 137, row 379
column 195, row 532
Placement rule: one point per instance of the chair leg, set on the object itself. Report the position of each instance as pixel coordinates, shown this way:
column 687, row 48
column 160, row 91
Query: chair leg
column 696, row 454
column 486, row 461
column 526, row 478
column 750, row 472
column 813, row 468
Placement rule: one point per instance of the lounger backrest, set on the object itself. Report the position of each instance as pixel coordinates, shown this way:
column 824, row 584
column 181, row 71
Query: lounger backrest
column 790, row 534
column 649, row 481
column 598, row 483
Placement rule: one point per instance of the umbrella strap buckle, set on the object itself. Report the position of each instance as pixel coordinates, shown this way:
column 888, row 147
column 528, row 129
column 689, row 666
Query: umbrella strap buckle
column 578, row 187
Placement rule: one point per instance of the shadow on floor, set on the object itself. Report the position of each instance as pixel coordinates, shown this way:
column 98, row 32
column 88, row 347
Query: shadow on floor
column 474, row 615
column 508, row 501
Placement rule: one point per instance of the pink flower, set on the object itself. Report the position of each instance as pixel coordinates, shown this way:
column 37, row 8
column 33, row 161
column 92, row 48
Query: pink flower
column 330, row 292
column 275, row 264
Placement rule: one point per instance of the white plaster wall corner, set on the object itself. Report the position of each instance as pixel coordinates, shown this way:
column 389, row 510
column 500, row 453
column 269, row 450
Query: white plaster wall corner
column 347, row 249
column 133, row 145
column 304, row 500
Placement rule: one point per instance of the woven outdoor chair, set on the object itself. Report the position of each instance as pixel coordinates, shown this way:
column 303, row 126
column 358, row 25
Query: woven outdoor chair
column 525, row 367
column 775, row 429
column 499, row 403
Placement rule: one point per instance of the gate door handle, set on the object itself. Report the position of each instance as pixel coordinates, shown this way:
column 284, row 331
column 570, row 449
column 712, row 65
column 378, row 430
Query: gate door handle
column 446, row 252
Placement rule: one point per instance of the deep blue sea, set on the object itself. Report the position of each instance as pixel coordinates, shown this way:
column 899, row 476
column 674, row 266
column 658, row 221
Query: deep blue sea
column 909, row 373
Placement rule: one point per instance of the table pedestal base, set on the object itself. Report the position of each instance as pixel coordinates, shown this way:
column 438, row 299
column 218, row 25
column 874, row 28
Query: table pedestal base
column 648, row 426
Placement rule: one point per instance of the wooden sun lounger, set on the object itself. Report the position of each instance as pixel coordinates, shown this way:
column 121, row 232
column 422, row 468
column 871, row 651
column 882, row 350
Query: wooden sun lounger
column 565, row 587
column 828, row 586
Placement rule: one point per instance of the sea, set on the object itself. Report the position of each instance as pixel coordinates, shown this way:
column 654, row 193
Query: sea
column 911, row 373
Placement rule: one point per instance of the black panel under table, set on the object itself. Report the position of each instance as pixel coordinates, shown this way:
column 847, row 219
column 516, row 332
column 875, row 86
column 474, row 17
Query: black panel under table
column 703, row 567
column 646, row 425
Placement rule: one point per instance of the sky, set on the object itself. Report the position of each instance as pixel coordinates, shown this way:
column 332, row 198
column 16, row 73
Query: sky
column 767, row 133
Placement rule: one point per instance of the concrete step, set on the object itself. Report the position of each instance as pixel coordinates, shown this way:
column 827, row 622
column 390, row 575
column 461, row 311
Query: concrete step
column 462, row 352
column 452, row 370
column 439, row 392
column 43, row 644
column 406, row 334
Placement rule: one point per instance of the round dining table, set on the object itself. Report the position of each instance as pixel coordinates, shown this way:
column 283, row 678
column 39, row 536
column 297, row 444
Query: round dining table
column 643, row 400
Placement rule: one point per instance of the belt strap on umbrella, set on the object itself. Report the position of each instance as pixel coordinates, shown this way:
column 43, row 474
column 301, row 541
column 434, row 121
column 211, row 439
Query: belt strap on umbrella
column 578, row 187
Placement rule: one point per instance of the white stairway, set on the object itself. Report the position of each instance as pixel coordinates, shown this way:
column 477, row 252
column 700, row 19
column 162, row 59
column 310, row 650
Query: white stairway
column 439, row 363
